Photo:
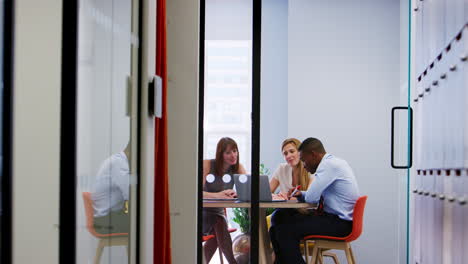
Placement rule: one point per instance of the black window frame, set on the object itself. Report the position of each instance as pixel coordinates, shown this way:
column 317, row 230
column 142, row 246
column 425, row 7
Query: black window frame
column 7, row 128
column 255, row 138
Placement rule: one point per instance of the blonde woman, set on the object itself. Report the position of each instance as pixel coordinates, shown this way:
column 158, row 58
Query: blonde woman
column 292, row 173
column 287, row 176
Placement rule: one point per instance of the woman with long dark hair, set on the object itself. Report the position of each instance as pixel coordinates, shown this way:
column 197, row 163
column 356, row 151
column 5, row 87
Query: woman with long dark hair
column 217, row 183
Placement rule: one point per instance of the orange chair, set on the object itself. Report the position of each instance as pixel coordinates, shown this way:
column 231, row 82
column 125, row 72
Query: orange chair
column 105, row 240
column 343, row 243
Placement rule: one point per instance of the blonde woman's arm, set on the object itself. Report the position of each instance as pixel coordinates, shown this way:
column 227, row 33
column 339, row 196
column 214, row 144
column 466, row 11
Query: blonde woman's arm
column 274, row 181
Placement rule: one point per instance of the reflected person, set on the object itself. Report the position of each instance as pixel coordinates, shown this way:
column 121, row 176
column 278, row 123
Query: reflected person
column 110, row 194
column 218, row 183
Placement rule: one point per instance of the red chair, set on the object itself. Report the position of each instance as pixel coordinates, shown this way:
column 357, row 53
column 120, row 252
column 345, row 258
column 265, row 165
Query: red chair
column 105, row 240
column 343, row 243
column 208, row 237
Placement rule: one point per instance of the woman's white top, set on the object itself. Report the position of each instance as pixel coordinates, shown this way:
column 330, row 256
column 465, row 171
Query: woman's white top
column 284, row 175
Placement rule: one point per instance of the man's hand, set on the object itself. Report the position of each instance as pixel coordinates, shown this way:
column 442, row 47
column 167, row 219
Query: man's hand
column 292, row 193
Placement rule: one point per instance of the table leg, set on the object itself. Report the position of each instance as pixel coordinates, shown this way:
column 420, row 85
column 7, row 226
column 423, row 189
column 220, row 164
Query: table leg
column 264, row 246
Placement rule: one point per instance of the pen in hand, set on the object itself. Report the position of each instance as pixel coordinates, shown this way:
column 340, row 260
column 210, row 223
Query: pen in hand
column 295, row 191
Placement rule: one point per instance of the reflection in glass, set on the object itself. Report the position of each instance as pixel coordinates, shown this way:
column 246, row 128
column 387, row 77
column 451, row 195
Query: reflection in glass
column 110, row 195
column 104, row 156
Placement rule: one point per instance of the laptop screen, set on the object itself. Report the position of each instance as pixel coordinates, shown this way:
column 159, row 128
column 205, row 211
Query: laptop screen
column 242, row 183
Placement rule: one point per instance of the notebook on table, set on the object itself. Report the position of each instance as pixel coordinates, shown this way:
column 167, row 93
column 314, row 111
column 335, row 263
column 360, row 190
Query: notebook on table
column 219, row 199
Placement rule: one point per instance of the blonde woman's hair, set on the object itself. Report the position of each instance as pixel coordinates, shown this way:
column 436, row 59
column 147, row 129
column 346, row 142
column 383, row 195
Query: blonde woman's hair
column 304, row 177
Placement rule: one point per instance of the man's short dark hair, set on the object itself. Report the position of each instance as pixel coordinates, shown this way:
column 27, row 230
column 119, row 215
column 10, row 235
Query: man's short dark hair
column 312, row 145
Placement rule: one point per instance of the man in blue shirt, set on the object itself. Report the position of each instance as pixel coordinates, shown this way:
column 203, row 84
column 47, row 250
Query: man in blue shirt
column 334, row 185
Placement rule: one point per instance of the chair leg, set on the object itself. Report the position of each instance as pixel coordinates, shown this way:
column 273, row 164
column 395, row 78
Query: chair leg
column 314, row 255
column 99, row 249
column 348, row 255
column 352, row 254
column 306, row 251
column 320, row 257
column 331, row 255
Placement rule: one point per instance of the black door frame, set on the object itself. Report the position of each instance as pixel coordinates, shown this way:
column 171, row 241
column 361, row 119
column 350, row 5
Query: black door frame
column 7, row 128
column 255, row 150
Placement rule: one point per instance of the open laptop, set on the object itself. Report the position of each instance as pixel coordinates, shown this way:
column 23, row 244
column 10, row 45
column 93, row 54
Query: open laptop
column 243, row 183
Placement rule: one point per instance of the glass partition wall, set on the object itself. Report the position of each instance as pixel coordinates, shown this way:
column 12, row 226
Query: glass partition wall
column 330, row 70
column 106, row 131
column 333, row 70
column 227, row 129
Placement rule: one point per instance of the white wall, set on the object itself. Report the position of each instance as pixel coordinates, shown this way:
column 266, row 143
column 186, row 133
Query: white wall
column 36, row 145
column 343, row 80
column 228, row 20
column 182, row 111
column 274, row 82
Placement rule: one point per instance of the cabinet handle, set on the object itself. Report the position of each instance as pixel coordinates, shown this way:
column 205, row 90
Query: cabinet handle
column 410, row 139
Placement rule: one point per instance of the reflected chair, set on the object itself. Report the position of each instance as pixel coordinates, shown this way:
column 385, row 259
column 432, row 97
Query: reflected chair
column 104, row 240
column 343, row 243
column 310, row 246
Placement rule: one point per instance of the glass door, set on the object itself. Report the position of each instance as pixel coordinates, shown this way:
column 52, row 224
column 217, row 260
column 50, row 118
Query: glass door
column 107, row 111
column 333, row 70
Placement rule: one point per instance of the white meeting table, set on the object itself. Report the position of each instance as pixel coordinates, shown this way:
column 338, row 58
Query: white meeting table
column 265, row 249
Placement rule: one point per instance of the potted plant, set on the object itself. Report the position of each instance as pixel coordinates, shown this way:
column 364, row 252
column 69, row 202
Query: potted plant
column 241, row 243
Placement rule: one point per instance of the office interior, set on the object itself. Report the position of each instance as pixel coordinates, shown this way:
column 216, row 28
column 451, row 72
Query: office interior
column 157, row 83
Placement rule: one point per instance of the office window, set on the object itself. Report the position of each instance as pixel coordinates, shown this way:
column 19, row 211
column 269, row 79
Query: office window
column 228, row 96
